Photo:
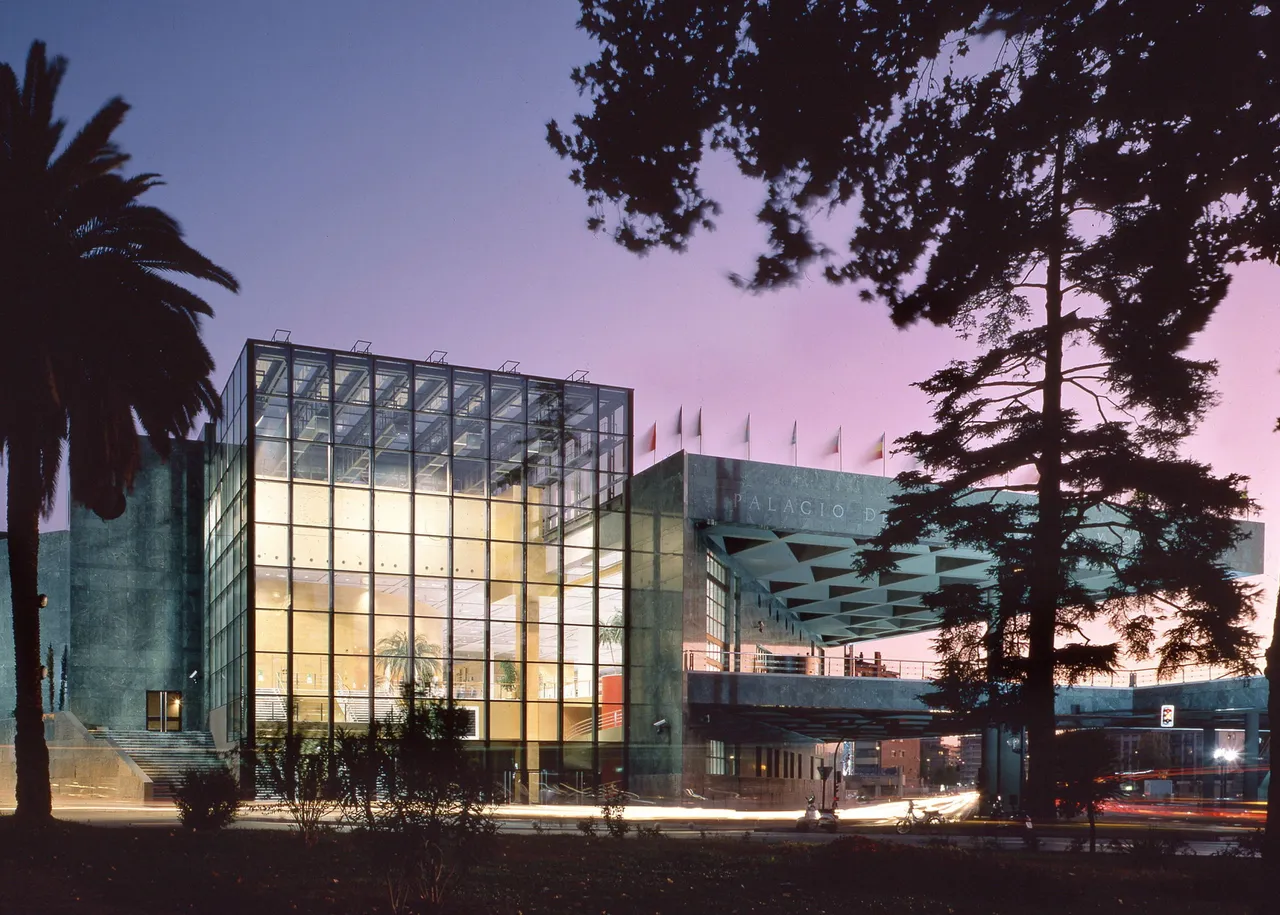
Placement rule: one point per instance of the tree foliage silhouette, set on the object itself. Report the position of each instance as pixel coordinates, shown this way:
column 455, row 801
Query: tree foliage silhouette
column 96, row 341
column 1085, row 767
column 1055, row 182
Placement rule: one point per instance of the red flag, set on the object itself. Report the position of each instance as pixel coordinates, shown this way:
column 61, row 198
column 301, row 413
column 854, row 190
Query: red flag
column 876, row 453
column 652, row 440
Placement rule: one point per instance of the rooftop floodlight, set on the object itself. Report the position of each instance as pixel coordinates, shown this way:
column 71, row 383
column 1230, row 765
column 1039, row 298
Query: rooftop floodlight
column 509, row 366
column 280, row 335
column 437, row 355
column 361, row 346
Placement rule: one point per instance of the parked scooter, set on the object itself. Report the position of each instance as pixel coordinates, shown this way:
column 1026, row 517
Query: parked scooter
column 814, row 818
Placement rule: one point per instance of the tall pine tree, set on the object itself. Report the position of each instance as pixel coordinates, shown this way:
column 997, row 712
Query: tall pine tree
column 1054, row 180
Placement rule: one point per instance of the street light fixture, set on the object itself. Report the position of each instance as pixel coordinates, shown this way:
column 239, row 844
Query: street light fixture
column 1225, row 757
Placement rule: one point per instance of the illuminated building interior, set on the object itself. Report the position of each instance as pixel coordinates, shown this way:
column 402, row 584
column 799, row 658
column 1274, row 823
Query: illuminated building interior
column 374, row 522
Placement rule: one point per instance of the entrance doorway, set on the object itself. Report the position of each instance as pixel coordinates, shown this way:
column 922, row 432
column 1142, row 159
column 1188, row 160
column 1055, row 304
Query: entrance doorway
column 164, row 710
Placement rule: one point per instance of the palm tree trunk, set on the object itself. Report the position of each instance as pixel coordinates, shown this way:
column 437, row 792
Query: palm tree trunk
column 35, row 805
column 1271, row 838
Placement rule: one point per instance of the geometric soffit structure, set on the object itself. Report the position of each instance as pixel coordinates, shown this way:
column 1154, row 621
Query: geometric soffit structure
column 796, row 531
column 810, row 575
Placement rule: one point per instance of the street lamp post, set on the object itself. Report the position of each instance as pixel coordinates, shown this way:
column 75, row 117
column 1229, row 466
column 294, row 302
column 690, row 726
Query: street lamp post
column 1225, row 756
column 824, row 771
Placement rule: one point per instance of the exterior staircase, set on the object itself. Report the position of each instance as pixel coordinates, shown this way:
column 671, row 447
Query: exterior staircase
column 165, row 756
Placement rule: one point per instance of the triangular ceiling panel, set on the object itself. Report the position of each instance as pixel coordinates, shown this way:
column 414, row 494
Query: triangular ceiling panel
column 807, row 552
column 734, row 545
column 951, row 563
column 844, row 590
column 822, row 573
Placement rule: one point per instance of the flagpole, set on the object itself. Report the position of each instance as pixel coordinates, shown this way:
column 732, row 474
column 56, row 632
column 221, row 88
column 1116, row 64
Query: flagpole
column 680, row 426
column 884, row 455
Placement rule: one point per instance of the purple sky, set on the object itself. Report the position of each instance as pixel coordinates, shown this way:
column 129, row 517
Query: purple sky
column 380, row 173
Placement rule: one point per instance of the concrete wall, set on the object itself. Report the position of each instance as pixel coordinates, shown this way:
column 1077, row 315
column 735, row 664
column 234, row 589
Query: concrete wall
column 786, row 497
column 80, row 766
column 668, row 630
column 55, row 620
column 655, row 637
column 136, row 587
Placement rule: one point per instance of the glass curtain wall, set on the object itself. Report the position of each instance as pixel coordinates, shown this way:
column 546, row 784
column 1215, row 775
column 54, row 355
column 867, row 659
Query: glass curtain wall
column 226, row 553
column 459, row 529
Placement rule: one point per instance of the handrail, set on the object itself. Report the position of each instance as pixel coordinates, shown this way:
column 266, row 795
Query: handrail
column 816, row 665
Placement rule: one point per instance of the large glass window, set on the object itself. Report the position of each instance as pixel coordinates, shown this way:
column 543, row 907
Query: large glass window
column 716, row 758
column 431, row 388
column 417, row 522
column 717, row 615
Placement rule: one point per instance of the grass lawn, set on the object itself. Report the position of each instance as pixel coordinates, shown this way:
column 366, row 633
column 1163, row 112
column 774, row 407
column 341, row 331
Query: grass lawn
column 75, row 868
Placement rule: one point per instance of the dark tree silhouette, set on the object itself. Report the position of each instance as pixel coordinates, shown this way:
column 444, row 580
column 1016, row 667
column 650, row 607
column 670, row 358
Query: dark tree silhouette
column 1053, row 180
column 95, row 341
column 48, row 673
column 62, row 681
column 1085, row 766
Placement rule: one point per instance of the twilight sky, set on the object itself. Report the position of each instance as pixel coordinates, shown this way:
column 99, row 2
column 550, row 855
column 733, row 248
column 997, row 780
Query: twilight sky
column 380, row 173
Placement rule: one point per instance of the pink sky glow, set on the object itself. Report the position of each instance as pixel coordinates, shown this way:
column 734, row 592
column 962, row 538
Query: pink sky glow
column 380, row 173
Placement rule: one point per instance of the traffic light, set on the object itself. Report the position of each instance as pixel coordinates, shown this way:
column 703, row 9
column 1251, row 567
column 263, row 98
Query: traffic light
column 1166, row 716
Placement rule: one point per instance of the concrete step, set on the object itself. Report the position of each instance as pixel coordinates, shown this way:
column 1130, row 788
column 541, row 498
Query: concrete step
column 166, row 756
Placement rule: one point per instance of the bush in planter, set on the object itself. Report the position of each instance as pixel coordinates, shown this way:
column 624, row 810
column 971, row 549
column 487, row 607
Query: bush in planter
column 207, row 798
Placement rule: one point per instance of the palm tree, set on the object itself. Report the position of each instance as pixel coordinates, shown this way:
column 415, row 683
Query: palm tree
column 95, row 340
column 392, row 655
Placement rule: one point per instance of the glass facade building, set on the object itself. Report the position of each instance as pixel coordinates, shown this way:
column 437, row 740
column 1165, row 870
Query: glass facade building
column 373, row 521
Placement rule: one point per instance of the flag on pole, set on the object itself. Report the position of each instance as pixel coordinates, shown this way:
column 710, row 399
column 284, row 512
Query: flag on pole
column 697, row 429
column 680, row 422
column 795, row 448
column 651, row 440
column 748, row 437
column 839, row 443
column 876, row 452
column 794, row 425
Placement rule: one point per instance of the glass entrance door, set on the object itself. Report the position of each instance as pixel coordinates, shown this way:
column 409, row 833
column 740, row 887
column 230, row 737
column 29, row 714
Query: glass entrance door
column 164, row 710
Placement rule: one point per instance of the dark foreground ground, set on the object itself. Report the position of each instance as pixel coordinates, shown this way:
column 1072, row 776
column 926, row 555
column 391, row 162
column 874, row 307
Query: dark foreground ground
column 86, row 869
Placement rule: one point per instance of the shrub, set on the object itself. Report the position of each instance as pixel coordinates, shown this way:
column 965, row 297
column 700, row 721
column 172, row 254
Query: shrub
column 587, row 827
column 207, row 798
column 613, row 808
column 1246, row 845
column 412, row 784
column 649, row 832
column 300, row 776
column 1152, row 847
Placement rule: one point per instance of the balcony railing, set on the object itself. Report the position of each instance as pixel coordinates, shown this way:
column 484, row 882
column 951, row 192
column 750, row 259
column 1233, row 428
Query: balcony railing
column 758, row 662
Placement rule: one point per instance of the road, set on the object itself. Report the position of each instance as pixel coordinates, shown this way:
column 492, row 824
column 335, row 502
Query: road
column 1203, row 836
